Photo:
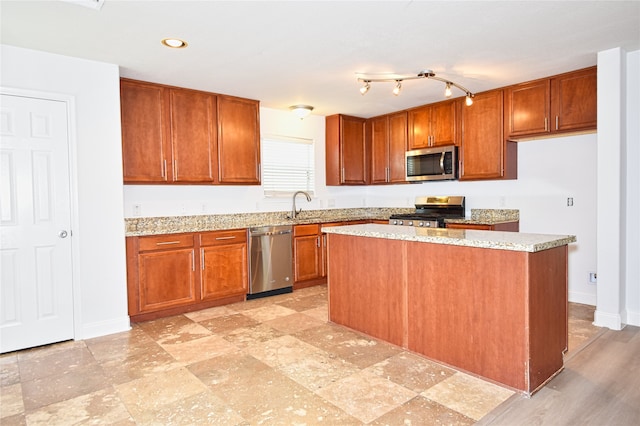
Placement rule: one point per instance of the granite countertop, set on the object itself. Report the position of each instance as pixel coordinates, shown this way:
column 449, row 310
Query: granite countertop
column 489, row 217
column 200, row 223
column 141, row 226
column 514, row 241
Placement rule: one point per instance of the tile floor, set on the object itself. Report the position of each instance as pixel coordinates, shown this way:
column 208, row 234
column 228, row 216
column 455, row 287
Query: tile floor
column 271, row 361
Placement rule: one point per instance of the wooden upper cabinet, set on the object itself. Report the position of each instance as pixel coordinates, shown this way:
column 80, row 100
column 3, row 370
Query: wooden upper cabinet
column 238, row 140
column 432, row 125
column 193, row 136
column 146, row 148
column 346, row 153
column 183, row 136
column 564, row 103
column 574, row 100
column 528, row 107
column 484, row 152
column 388, row 134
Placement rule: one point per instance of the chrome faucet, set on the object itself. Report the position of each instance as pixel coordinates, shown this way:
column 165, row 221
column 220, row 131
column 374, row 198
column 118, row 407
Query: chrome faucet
column 294, row 212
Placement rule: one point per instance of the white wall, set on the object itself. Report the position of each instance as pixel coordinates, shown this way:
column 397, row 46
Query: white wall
column 618, row 189
column 100, row 297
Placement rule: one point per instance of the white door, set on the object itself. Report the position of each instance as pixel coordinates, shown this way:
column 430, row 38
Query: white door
column 36, row 298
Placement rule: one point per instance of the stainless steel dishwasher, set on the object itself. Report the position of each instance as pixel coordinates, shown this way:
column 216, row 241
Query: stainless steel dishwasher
column 270, row 261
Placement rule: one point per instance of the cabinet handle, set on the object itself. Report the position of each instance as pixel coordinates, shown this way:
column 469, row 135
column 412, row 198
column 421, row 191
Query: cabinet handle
column 342, row 175
column 226, row 238
column 164, row 169
column 202, row 259
column 556, row 122
column 546, row 126
column 175, row 170
column 318, row 241
column 164, row 243
column 193, row 261
column 387, row 174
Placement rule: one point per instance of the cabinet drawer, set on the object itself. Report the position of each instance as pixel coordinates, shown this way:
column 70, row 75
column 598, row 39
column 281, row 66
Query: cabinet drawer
column 311, row 229
column 165, row 242
column 223, row 237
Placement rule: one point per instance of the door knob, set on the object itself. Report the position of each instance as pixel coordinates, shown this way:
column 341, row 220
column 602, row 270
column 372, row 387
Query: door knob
column 63, row 234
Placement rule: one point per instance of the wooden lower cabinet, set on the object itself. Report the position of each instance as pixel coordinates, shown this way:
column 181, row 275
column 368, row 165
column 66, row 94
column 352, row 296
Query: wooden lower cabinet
column 177, row 273
column 223, row 257
column 307, row 255
column 505, row 226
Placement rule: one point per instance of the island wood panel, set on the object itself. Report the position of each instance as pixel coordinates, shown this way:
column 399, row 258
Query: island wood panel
column 366, row 290
column 548, row 313
column 467, row 309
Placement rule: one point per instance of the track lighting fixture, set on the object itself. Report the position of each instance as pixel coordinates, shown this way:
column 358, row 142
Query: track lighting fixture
column 422, row 74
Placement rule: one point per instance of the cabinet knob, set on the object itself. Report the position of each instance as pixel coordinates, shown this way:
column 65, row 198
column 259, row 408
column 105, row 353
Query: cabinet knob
column 63, row 234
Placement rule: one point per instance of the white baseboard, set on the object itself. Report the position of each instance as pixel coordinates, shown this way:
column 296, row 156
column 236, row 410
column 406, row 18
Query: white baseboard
column 103, row 328
column 633, row 318
column 605, row 319
column 583, row 298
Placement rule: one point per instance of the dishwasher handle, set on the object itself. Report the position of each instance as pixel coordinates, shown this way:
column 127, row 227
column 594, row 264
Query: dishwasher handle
column 262, row 234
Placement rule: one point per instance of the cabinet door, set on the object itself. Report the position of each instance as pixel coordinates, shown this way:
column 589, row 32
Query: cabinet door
column 574, row 100
column 443, row 120
column 379, row 149
column 145, row 144
column 193, row 136
column 166, row 279
column 353, row 151
column 419, row 127
column 527, row 108
column 238, row 141
column 397, row 147
column 307, row 257
column 483, row 144
column 224, row 271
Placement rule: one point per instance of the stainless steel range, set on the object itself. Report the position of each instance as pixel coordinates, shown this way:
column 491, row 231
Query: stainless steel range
column 431, row 211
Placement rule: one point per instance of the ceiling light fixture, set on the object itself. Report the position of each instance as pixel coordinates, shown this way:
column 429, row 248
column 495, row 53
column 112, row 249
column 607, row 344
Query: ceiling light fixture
column 301, row 111
column 174, row 43
column 422, row 74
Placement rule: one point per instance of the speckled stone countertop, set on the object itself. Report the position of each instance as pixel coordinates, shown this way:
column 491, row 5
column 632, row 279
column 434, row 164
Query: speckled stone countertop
column 514, row 241
column 489, row 217
column 178, row 224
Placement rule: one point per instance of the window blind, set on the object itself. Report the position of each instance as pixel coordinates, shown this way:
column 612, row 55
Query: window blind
column 287, row 165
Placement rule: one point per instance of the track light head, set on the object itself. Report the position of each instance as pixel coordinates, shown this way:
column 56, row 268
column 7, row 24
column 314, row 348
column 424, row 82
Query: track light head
column 447, row 91
column 469, row 100
column 396, row 90
column 364, row 89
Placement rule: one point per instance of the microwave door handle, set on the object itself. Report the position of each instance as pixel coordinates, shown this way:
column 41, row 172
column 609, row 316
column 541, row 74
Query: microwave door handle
column 442, row 162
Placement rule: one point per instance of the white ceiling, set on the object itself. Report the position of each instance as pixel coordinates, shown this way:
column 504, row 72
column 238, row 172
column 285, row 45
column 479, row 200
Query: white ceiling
column 285, row 53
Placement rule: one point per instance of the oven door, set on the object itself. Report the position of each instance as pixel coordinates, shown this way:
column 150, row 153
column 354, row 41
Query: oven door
column 440, row 163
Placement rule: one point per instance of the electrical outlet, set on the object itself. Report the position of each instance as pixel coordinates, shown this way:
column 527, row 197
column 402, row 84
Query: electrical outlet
column 570, row 202
column 137, row 210
column 593, row 278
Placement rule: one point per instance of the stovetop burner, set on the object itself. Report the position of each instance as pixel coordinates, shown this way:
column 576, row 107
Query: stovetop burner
column 431, row 212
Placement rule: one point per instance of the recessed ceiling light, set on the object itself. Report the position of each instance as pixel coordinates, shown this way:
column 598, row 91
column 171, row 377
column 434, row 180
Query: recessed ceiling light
column 174, row 43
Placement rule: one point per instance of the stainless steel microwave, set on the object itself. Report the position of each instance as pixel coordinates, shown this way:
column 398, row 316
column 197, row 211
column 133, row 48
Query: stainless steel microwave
column 438, row 163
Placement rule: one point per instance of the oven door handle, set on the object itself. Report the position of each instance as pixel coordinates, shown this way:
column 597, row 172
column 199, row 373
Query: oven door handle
column 442, row 162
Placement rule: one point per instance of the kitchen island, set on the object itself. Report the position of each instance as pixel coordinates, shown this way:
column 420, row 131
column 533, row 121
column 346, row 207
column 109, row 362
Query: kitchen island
column 490, row 303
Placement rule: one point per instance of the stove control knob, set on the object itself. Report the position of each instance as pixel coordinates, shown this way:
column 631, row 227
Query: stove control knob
column 400, row 222
column 395, row 222
column 420, row 223
column 410, row 223
column 428, row 224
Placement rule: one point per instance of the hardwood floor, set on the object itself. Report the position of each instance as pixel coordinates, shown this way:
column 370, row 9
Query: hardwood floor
column 600, row 385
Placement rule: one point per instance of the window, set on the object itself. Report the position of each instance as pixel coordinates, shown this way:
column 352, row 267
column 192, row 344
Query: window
column 287, row 165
